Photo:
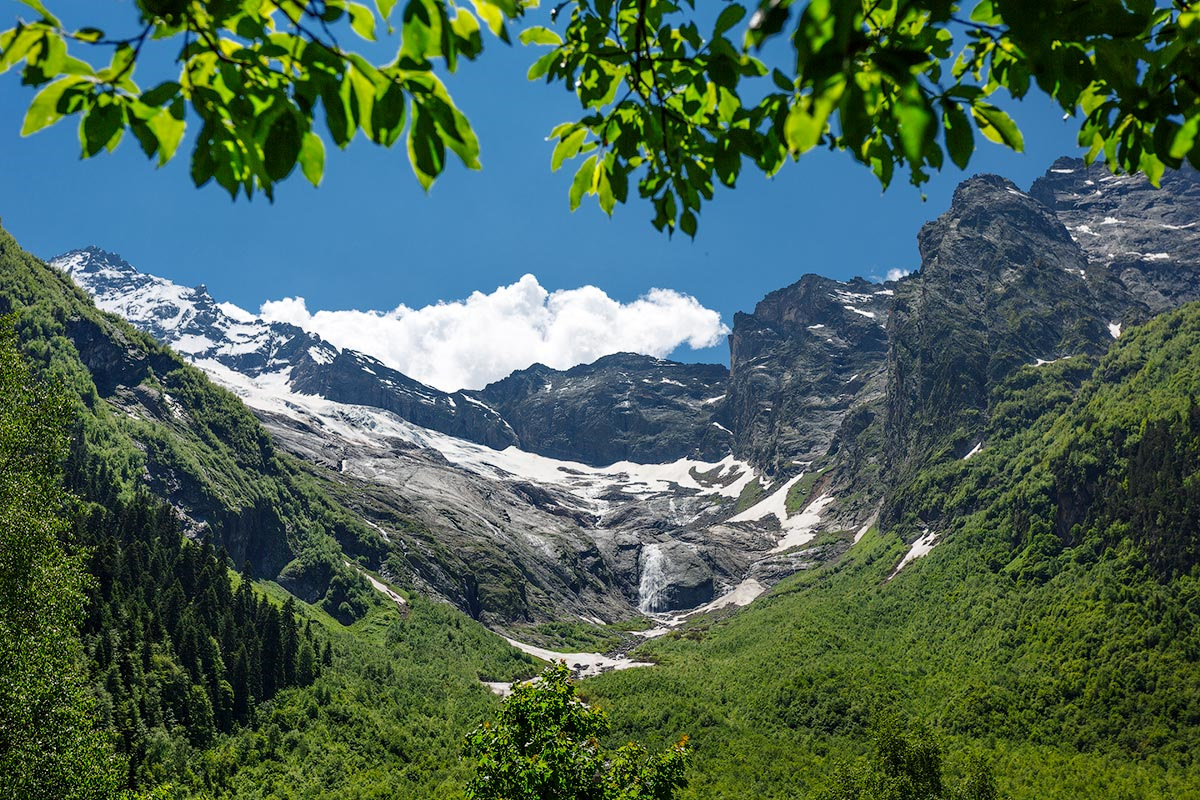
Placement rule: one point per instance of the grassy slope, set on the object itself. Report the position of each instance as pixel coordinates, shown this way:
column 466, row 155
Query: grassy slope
column 386, row 720
column 204, row 446
column 1065, row 658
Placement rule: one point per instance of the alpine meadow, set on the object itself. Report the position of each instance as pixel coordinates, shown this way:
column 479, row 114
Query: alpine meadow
column 928, row 534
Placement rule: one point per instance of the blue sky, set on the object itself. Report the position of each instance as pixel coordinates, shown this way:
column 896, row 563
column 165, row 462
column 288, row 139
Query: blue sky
column 370, row 238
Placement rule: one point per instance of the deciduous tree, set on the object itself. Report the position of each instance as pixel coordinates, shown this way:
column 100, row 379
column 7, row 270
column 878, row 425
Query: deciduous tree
column 544, row 745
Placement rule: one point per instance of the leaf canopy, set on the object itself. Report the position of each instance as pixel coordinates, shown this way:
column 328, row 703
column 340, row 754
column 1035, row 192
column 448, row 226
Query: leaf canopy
column 672, row 97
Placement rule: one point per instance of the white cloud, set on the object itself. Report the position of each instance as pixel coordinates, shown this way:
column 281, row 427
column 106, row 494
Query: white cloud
column 469, row 343
column 895, row 274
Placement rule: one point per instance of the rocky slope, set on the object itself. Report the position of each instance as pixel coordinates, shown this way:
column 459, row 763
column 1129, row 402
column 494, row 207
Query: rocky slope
column 798, row 363
column 1147, row 238
column 623, row 407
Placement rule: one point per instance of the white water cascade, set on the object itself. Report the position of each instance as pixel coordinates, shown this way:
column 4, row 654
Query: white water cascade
column 653, row 584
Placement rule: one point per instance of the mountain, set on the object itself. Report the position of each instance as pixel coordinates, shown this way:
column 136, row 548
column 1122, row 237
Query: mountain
column 624, row 493
column 223, row 336
column 623, row 407
column 963, row 503
column 1027, row 596
column 1147, row 238
column 640, row 484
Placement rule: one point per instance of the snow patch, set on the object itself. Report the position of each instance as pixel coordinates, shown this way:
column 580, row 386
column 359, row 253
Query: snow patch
column 741, row 595
column 1063, row 171
column 1110, row 221
column 1114, row 330
column 798, row 529
column 384, row 589
column 191, row 343
column 867, row 314
column 801, row 529
column 583, row 664
column 712, row 400
column 1156, row 256
column 321, row 355
column 919, row 548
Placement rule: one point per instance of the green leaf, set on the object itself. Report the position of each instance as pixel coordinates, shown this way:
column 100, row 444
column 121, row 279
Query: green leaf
column 39, row 7
column 582, row 182
column 687, row 224
column 960, row 139
column 604, row 189
column 15, row 45
column 491, row 14
column 362, row 20
column 44, row 111
column 385, row 7
column 90, row 35
column 426, row 152
column 542, row 65
column 540, row 35
column 337, row 115
column 1185, row 138
column 455, row 129
column 387, row 116
column 466, row 28
column 805, row 125
column 312, row 158
column 727, row 162
column 731, row 16
column 168, row 126
column 101, row 128
column 997, row 126
column 567, row 147
column 161, row 94
column 419, row 40
column 282, row 146
column 913, row 118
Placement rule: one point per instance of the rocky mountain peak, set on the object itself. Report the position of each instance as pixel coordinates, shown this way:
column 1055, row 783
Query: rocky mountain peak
column 621, row 407
column 799, row 362
column 993, row 224
column 1147, row 238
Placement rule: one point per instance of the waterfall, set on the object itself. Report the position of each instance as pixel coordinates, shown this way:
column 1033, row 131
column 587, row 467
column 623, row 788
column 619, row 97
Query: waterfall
column 653, row 584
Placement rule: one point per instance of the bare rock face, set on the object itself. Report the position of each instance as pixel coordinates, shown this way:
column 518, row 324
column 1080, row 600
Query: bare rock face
column 623, row 407
column 1002, row 284
column 1147, row 238
column 798, row 362
column 1010, row 279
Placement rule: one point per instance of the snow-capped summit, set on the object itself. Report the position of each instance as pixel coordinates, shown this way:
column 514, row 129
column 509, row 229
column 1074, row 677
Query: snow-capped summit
column 187, row 319
column 624, row 407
